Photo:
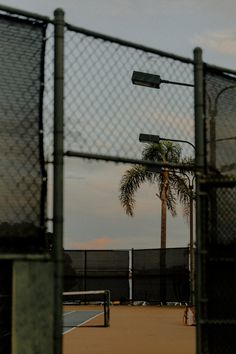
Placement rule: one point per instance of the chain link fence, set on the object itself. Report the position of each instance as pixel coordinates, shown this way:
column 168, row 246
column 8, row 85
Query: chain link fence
column 103, row 117
column 105, row 113
column 217, row 306
column 161, row 276
column 131, row 275
column 23, row 175
column 23, row 178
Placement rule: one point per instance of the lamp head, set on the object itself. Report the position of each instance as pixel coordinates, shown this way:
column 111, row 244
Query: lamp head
column 145, row 79
column 149, row 138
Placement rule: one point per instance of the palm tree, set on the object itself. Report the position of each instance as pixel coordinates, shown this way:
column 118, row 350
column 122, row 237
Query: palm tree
column 172, row 185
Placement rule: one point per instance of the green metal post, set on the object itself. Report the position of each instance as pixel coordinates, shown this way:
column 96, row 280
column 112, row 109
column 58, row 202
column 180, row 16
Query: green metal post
column 199, row 159
column 191, row 244
column 199, row 108
column 58, row 175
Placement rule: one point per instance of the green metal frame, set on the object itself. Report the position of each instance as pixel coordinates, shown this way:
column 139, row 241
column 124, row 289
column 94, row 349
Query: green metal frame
column 200, row 163
column 58, row 176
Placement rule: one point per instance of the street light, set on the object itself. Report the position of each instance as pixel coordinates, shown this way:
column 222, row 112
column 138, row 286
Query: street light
column 149, row 138
column 145, row 79
column 152, row 80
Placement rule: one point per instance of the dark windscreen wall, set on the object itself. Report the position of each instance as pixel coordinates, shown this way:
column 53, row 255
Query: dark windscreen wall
column 98, row 270
column 161, row 275
column 137, row 275
column 221, row 152
column 220, row 242
column 22, row 182
column 74, row 270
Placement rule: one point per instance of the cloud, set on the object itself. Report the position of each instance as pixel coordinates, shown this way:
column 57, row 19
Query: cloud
column 221, row 41
column 99, row 243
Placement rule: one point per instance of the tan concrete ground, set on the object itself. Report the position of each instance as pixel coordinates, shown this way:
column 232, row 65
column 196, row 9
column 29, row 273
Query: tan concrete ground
column 135, row 330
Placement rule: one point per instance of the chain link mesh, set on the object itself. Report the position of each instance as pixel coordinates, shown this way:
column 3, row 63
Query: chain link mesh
column 105, row 113
column 220, row 112
column 22, row 170
column 221, row 151
column 218, row 267
column 23, row 179
column 161, row 275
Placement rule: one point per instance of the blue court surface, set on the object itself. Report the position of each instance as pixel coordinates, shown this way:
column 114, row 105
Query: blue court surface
column 73, row 319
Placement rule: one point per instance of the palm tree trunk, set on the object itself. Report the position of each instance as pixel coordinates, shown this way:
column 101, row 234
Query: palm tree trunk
column 163, row 253
column 164, row 197
column 163, row 222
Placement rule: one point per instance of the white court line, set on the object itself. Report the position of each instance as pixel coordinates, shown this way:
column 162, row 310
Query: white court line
column 68, row 313
column 79, row 325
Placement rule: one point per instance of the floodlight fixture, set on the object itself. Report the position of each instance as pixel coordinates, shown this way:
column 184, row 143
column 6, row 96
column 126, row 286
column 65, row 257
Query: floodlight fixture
column 145, row 79
column 152, row 80
column 149, row 138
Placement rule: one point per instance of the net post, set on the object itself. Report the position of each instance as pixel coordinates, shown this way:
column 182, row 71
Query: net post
column 107, row 308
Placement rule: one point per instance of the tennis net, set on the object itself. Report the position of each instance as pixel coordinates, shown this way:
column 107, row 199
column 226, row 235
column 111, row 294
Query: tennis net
column 82, row 307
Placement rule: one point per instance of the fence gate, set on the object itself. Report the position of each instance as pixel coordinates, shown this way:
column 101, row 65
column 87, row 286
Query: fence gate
column 217, row 245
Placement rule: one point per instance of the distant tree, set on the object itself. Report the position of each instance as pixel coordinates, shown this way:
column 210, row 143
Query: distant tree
column 172, row 185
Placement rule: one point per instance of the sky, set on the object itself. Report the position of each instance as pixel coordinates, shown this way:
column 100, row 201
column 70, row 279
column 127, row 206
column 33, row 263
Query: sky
column 176, row 26
column 94, row 218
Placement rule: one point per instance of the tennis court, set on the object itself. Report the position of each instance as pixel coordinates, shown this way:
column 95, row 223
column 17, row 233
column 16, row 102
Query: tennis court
column 75, row 315
column 74, row 318
column 134, row 329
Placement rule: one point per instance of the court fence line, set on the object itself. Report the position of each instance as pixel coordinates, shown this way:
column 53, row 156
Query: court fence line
column 131, row 275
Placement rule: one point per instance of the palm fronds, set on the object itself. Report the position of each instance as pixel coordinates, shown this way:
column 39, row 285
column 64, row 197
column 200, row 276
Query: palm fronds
column 173, row 185
column 130, row 183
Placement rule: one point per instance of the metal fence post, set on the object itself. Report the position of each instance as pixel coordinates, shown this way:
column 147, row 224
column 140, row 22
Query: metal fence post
column 200, row 160
column 58, row 175
column 85, row 270
column 199, row 108
column 131, row 267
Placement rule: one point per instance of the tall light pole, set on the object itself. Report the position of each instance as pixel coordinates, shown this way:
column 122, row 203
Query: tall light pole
column 154, row 81
column 149, row 138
